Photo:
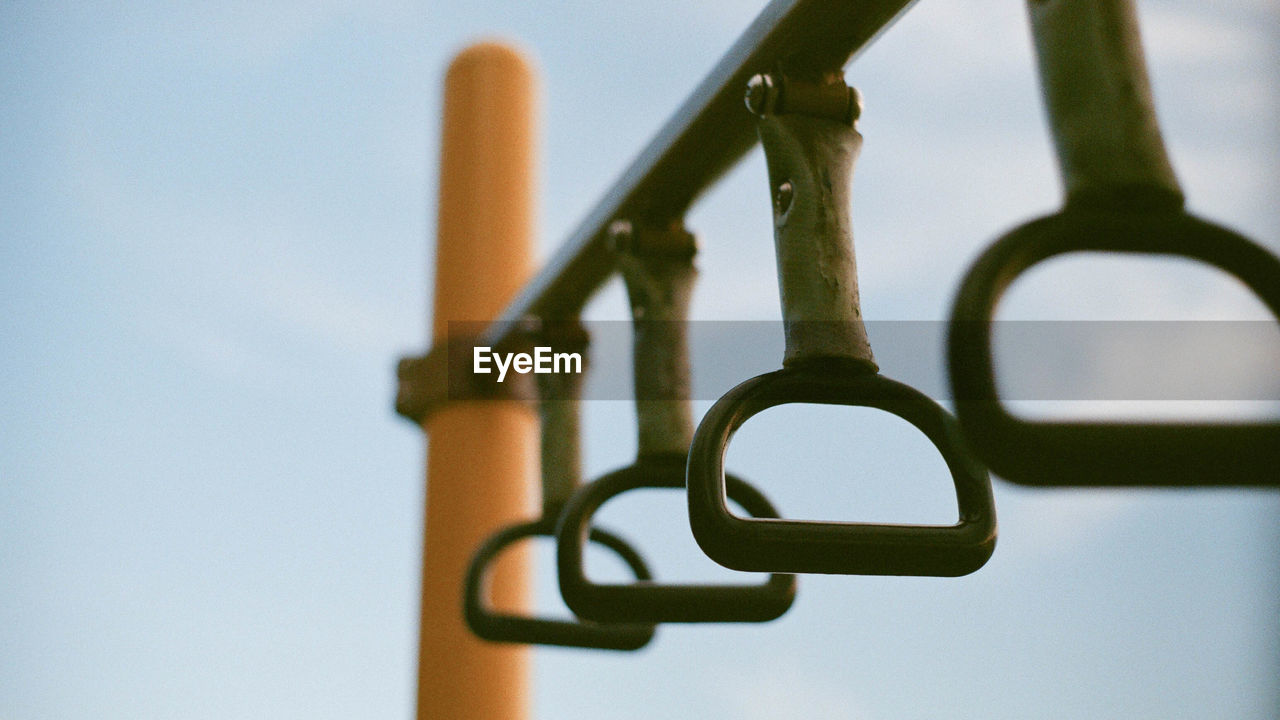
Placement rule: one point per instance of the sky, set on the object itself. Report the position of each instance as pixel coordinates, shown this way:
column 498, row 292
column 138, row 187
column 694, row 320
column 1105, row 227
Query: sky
column 215, row 243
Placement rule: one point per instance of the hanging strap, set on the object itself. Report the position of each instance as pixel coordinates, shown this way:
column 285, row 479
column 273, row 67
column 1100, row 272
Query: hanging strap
column 657, row 267
column 559, row 406
column 810, row 160
column 1094, row 80
column 1121, row 197
column 810, row 152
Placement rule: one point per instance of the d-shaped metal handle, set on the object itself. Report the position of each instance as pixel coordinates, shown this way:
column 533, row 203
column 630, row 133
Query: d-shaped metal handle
column 828, row 360
column 496, row 626
column 837, row 547
column 1121, row 197
column 657, row 265
column 1104, row 453
column 655, row 602
column 558, row 406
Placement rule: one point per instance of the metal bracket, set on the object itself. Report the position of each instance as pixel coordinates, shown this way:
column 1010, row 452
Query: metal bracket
column 444, row 375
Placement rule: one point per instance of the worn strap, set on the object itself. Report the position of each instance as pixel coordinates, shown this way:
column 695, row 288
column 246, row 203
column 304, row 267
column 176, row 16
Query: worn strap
column 810, row 161
column 1098, row 97
column 657, row 268
column 560, row 395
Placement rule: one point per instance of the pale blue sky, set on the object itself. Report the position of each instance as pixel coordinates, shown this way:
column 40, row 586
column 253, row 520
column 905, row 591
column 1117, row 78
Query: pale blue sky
column 214, row 244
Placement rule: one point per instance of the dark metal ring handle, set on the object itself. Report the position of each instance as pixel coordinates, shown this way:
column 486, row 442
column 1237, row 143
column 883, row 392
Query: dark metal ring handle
column 837, row 547
column 828, row 360
column 653, row 602
column 504, row 627
column 1105, row 453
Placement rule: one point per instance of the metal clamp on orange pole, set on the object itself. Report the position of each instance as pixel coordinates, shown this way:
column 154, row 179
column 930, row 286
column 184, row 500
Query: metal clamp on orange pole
column 482, row 455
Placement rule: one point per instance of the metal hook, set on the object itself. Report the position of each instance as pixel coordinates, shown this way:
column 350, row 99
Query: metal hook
column 828, row 360
column 559, row 396
column 1121, row 196
column 657, row 265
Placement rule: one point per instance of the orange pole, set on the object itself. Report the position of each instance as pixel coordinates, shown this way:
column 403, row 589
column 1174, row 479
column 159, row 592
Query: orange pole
column 482, row 457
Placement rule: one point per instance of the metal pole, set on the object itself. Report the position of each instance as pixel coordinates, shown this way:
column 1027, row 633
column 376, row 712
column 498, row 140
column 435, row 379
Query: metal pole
column 482, row 457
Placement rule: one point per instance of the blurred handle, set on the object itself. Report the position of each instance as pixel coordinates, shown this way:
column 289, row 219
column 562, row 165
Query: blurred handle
column 1098, row 97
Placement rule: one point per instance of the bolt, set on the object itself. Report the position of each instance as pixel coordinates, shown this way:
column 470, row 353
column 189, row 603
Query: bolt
column 855, row 105
column 762, row 94
column 620, row 236
column 528, row 326
column 782, row 198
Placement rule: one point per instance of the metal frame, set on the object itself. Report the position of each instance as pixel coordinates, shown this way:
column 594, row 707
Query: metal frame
column 706, row 136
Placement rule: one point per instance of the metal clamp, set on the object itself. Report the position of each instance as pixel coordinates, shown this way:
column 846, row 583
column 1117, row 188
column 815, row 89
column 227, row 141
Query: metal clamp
column 828, row 360
column 1121, row 197
column 657, row 265
column 559, row 407
column 443, row 376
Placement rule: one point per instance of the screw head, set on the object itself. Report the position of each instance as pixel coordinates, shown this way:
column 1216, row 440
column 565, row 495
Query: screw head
column 761, row 95
column 620, row 236
column 529, row 325
column 782, row 198
column 855, row 105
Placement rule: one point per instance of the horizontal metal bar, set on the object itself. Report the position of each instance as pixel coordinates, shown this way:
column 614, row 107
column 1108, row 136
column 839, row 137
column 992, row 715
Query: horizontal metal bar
column 710, row 132
column 707, row 135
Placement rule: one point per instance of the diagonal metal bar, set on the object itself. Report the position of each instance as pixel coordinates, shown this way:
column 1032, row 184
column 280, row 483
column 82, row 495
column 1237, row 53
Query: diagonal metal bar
column 705, row 137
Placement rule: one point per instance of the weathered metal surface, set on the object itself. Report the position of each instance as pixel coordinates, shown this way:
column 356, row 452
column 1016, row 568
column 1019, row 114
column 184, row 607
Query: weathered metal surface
column 705, row 137
column 1094, row 80
column 659, row 276
column 560, row 409
column 827, row 361
column 810, row 39
column 777, row 95
column 810, row 173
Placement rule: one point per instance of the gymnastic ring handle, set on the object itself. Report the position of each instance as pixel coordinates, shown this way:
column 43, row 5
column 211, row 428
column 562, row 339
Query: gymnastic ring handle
column 646, row 602
column 1121, row 197
column 495, row 626
column 837, row 547
column 828, row 360
column 1105, row 454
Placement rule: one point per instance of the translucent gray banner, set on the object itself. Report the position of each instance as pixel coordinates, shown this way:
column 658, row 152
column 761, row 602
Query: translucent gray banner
column 1034, row 360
